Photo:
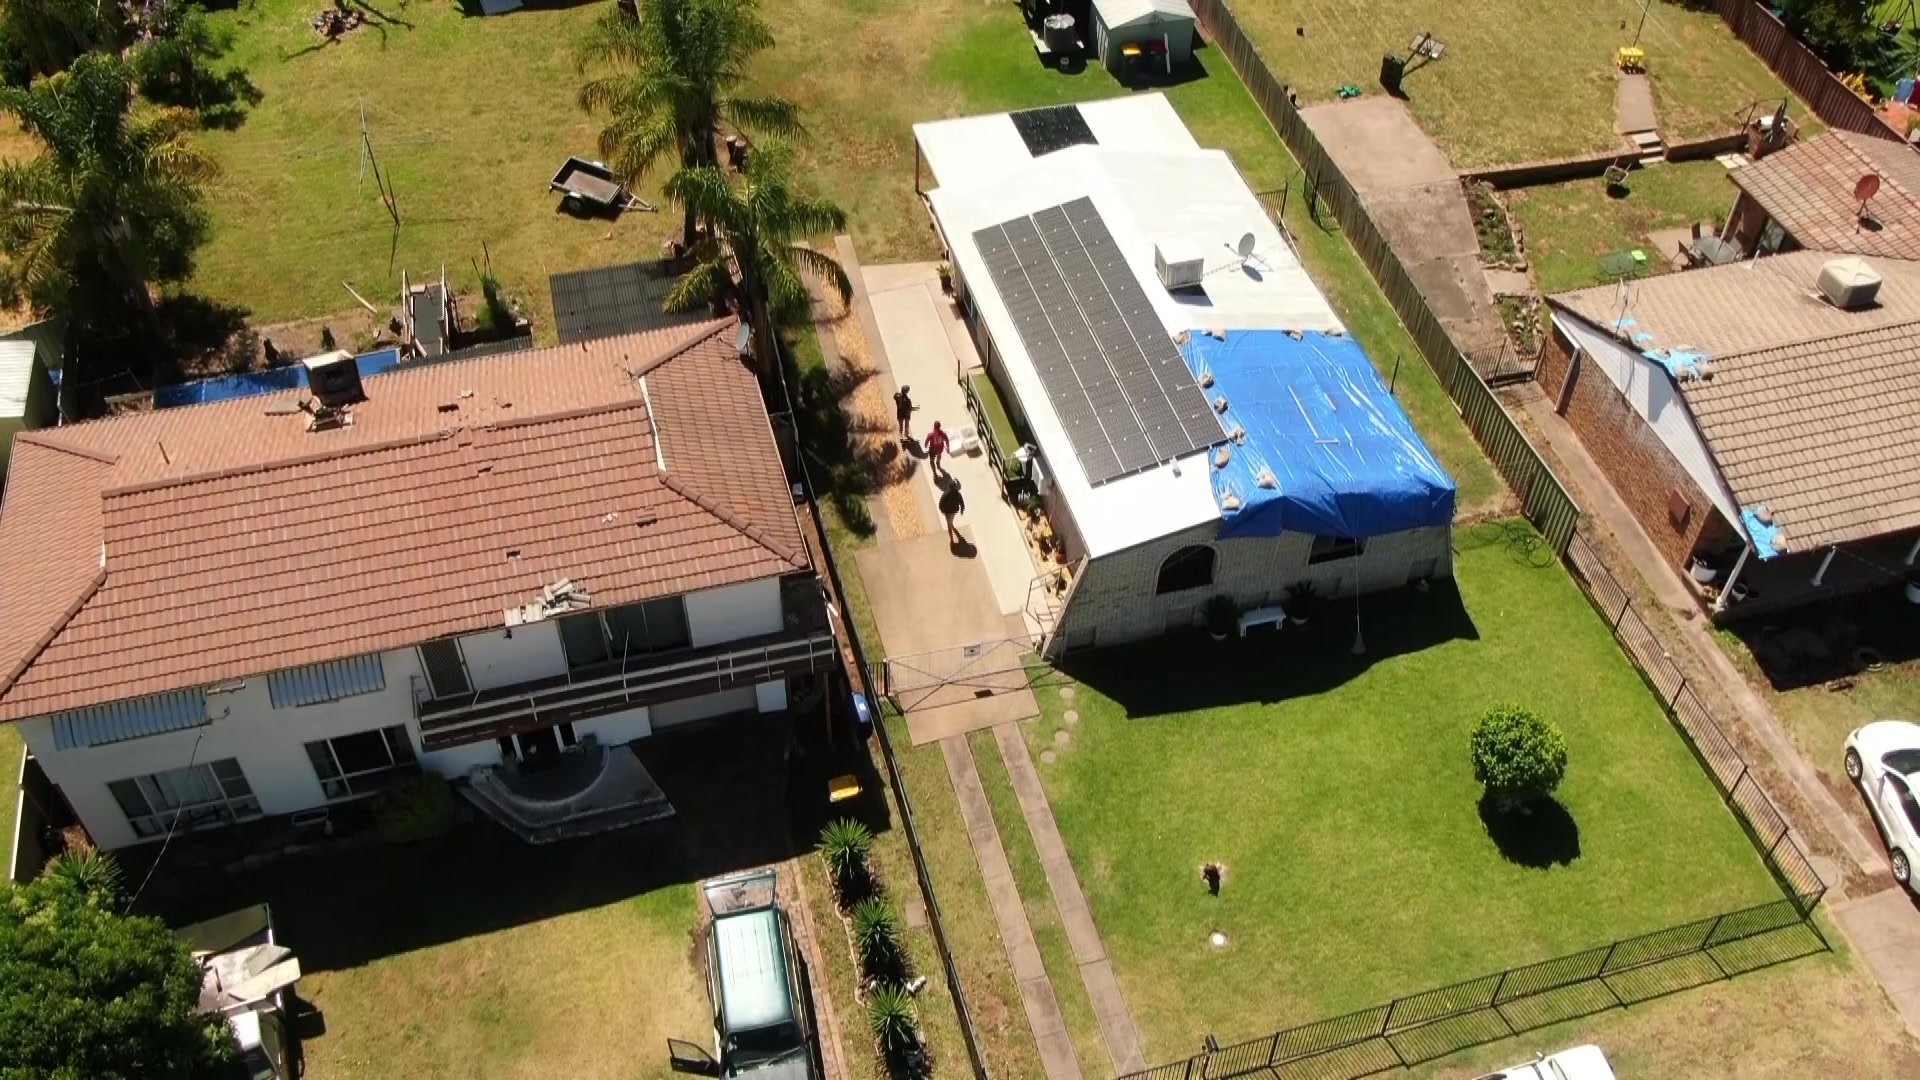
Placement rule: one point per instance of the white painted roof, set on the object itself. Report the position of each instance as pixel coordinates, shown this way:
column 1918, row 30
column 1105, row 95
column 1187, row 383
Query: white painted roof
column 1121, row 12
column 16, row 378
column 974, row 149
column 1192, row 196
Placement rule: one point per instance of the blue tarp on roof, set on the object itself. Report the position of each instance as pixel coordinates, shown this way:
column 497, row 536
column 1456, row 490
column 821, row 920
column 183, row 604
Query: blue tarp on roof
column 253, row 383
column 1343, row 457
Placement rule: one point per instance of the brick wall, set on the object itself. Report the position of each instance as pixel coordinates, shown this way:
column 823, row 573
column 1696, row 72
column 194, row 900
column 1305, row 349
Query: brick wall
column 1642, row 469
column 1746, row 222
column 1114, row 600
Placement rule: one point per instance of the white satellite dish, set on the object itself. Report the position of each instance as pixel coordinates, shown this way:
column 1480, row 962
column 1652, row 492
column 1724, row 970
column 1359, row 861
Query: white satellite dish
column 1245, row 246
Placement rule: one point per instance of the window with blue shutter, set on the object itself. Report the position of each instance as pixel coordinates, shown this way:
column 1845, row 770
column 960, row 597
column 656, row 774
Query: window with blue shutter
column 330, row 681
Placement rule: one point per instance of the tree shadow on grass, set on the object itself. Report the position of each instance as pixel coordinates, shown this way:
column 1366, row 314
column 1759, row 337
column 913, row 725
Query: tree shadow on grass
column 1540, row 835
column 1271, row 666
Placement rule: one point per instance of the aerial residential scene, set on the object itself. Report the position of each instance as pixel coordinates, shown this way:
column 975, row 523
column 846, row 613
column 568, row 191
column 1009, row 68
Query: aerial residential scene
column 1017, row 540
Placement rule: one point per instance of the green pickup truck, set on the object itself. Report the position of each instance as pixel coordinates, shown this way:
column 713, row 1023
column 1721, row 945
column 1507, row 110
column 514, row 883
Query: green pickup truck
column 760, row 1023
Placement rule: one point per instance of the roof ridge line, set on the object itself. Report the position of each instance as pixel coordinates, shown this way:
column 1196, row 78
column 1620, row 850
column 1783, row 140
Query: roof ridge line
column 41, row 438
column 702, row 333
column 334, row 454
column 27, row 658
column 719, row 508
column 1819, row 338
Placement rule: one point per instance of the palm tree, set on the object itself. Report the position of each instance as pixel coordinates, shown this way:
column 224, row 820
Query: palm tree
column 111, row 206
column 40, row 37
column 678, row 70
column 750, row 251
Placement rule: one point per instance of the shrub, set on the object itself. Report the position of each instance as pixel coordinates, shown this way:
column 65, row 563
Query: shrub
column 1221, row 616
column 417, row 807
column 876, row 933
column 845, row 844
column 1518, row 755
column 92, row 876
column 895, row 1030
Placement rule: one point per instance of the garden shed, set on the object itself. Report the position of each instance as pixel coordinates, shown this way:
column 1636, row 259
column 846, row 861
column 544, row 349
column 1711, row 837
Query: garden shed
column 1150, row 35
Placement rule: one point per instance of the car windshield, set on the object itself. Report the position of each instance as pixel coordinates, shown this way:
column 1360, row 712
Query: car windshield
column 1905, row 762
column 763, row 1045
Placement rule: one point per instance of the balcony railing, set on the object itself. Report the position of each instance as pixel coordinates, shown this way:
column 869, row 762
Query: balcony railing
column 622, row 684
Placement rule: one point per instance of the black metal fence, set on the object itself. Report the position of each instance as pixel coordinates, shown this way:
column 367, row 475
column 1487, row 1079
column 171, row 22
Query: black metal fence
column 1421, row 1027
column 1543, row 499
column 1757, row 814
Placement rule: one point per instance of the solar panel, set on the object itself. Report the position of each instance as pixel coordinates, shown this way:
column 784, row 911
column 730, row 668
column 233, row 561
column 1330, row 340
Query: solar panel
column 1113, row 376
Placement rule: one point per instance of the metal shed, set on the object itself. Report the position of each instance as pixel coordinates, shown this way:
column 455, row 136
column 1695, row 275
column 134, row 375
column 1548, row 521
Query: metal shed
column 1142, row 35
column 26, row 394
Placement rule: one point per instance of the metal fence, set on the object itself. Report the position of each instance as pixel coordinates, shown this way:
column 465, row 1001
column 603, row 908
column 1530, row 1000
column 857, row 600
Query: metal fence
column 1800, row 69
column 1421, row 1027
column 1756, row 812
column 1543, row 498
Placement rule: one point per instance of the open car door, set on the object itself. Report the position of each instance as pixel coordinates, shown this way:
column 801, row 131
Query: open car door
column 685, row 1057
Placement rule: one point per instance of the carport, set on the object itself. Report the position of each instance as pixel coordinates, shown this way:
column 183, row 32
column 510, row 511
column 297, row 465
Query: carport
column 1142, row 35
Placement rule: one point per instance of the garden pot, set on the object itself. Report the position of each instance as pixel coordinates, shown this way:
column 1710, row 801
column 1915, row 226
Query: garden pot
column 1218, row 635
column 1297, row 620
column 1740, row 592
column 1913, row 590
column 1703, row 571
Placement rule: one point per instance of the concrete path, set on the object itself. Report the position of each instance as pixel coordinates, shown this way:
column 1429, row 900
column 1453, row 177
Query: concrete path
column 1003, row 894
column 1885, row 930
column 1633, row 105
column 1096, row 971
column 1412, row 193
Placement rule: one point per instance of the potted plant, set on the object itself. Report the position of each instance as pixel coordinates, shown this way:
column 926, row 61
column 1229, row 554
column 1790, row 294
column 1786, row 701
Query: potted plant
column 1300, row 602
column 1221, row 616
column 946, row 278
column 1701, row 570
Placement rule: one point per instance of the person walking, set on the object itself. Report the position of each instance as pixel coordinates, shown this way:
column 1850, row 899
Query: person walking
column 936, row 446
column 951, row 505
column 903, row 412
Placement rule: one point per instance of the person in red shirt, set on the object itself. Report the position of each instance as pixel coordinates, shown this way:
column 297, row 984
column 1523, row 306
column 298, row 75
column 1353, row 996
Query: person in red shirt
column 936, row 447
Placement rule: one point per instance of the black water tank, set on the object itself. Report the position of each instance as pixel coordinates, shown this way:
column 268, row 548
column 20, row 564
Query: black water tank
column 1392, row 68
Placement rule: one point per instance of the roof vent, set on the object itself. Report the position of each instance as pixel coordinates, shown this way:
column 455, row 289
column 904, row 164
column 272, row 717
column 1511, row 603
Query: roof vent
column 334, row 378
column 1849, row 284
column 1180, row 266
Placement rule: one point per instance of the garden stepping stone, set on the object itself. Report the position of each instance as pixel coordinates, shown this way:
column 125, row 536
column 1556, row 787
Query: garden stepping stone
column 1048, row 757
column 1062, row 738
column 1066, row 693
column 1071, row 716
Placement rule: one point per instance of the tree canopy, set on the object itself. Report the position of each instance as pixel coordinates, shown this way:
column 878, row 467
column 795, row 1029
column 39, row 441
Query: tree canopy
column 677, row 75
column 88, row 994
column 1518, row 755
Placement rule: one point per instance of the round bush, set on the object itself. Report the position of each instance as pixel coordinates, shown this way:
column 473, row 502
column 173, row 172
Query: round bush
column 1518, row 755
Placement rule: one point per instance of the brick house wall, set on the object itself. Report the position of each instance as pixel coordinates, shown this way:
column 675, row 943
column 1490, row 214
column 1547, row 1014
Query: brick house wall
column 1747, row 221
column 1114, row 600
column 1676, row 514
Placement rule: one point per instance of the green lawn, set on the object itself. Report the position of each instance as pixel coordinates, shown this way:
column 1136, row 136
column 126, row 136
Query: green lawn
column 1519, row 80
column 1338, row 794
column 1569, row 226
column 11, row 751
column 468, row 117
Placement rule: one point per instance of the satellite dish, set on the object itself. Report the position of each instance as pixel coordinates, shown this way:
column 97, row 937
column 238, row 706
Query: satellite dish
column 1245, row 246
column 1866, row 187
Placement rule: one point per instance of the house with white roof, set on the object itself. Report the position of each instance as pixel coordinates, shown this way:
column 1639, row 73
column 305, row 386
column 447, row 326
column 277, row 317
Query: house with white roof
column 1202, row 425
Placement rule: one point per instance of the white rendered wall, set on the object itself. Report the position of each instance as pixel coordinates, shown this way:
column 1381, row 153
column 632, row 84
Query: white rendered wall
column 616, row 728
column 497, row 659
column 736, row 611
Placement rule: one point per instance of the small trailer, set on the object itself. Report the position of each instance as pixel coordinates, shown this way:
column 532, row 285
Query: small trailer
column 590, row 186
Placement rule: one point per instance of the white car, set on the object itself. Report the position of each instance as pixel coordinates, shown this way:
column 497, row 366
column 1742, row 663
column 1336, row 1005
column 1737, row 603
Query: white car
column 1579, row 1063
column 1883, row 760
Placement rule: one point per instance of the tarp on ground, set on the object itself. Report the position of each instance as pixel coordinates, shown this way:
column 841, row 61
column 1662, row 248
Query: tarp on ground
column 1328, row 450
column 253, row 383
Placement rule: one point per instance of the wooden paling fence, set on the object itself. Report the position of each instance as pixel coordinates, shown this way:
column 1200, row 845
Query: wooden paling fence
column 1802, row 71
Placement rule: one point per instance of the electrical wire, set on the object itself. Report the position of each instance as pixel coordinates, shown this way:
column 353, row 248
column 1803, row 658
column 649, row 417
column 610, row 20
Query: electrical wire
column 172, row 827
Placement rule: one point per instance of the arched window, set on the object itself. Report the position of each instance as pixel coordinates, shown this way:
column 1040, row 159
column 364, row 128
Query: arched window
column 1188, row 568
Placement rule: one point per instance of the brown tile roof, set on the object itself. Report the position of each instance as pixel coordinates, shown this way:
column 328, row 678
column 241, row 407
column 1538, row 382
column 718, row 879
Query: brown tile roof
column 1807, row 407
column 236, row 542
column 1808, row 189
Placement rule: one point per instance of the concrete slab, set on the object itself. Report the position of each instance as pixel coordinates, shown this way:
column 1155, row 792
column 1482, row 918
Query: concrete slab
column 1633, row 105
column 925, row 598
column 1667, row 244
column 928, row 350
column 1885, row 931
column 943, row 720
column 1508, row 282
column 1377, row 143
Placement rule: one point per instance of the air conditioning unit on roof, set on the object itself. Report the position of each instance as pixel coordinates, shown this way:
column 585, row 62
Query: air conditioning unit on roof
column 334, row 378
column 1849, row 284
column 1180, row 266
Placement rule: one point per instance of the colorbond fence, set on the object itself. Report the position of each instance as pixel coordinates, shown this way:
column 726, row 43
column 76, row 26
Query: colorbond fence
column 1802, row 71
column 1543, row 498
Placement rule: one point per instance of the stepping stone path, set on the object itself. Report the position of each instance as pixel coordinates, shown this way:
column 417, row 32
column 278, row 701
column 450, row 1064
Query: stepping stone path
column 1062, row 738
column 1066, row 693
column 1048, row 757
column 1071, row 716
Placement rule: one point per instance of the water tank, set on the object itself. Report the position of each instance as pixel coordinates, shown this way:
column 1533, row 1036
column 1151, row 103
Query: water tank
column 1057, row 32
column 1849, row 284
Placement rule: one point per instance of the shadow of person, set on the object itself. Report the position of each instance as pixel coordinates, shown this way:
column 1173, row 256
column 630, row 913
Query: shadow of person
column 1539, row 834
column 963, row 548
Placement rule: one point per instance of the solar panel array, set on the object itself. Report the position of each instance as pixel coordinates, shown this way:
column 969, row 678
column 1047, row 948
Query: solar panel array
column 1112, row 374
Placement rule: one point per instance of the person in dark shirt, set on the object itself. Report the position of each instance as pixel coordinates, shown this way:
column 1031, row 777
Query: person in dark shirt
column 903, row 412
column 951, row 505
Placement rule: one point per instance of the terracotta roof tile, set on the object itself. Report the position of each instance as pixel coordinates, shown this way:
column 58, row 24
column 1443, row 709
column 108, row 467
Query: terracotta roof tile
column 1808, row 406
column 237, row 542
column 1808, row 189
